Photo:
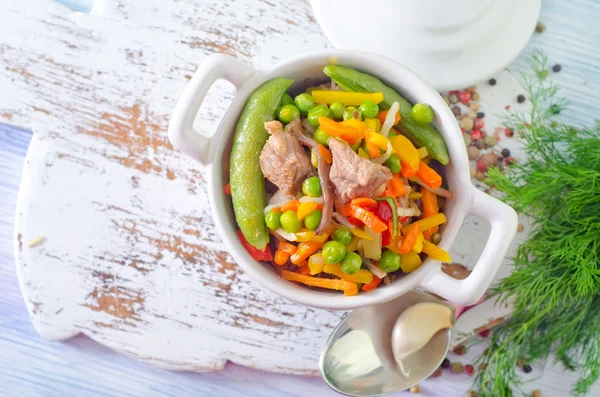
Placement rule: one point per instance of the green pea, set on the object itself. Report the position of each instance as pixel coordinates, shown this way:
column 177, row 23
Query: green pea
column 337, row 110
column 333, row 252
column 394, row 164
column 369, row 109
column 391, row 134
column 312, row 187
column 321, row 137
column 389, row 262
column 351, row 263
column 289, row 222
column 304, row 102
column 316, row 112
column 313, row 219
column 288, row 113
column 342, row 235
column 422, row 113
column 273, row 220
column 352, row 113
column 436, row 238
column 286, row 100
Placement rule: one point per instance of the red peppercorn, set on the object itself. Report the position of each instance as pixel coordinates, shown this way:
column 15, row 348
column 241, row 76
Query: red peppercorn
column 508, row 132
column 507, row 107
column 478, row 124
column 476, row 135
column 484, row 333
column 454, row 92
column 510, row 160
column 469, row 369
column 465, row 97
column 481, row 167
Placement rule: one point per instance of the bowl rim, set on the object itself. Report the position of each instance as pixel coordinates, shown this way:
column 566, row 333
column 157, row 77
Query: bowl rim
column 411, row 85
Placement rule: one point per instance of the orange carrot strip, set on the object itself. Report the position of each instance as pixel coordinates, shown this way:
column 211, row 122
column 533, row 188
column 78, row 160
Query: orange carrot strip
column 305, row 250
column 396, row 186
column 325, row 154
column 372, row 285
column 348, row 287
column 428, row 176
column 339, row 130
column 287, row 247
column 281, row 257
column 304, row 270
column 364, row 202
column 410, row 239
column 368, row 218
column 430, row 208
column 290, row 206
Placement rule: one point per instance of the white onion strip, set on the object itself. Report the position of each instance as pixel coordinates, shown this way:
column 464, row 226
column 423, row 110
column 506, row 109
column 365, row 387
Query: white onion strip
column 374, row 269
column 342, row 219
column 440, row 191
column 308, row 199
column 389, row 119
column 283, row 234
column 403, row 212
column 383, row 158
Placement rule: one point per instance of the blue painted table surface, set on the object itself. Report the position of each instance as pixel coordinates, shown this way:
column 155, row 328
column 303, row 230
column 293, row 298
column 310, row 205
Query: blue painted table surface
column 31, row 366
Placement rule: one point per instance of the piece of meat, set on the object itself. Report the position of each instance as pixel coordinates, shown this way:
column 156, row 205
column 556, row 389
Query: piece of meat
column 353, row 176
column 280, row 197
column 283, row 161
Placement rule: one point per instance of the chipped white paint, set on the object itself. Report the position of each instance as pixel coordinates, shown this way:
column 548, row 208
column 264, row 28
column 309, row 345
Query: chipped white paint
column 131, row 258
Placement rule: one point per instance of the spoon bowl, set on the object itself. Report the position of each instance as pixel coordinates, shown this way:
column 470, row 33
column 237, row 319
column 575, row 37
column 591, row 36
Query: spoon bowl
column 358, row 359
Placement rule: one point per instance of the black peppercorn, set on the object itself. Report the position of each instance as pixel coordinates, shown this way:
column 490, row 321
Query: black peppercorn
column 521, row 98
column 480, row 115
column 456, row 111
column 556, row 68
column 527, row 368
column 445, row 363
column 492, row 81
column 505, row 153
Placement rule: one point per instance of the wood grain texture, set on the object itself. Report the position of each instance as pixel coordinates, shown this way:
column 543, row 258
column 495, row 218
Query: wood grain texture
column 92, row 95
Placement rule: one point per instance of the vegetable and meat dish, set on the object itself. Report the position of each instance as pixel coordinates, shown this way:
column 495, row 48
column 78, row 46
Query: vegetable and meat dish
column 340, row 186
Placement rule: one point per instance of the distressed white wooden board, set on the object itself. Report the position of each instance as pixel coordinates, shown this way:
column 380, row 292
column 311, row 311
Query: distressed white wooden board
column 131, row 258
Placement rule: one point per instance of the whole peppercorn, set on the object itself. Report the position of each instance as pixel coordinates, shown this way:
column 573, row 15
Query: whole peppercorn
column 437, row 373
column 465, row 97
column 540, row 27
column 456, row 368
column 536, row 393
column 453, row 98
column 476, row 96
column 445, row 363
column 520, row 98
column 460, row 350
column 479, row 176
column 469, row 369
column 520, row 228
column 492, row 82
column 473, row 172
column 484, row 333
column 556, row 68
column 508, row 132
column 527, row 368
column 466, row 124
column 473, row 152
column 467, row 139
column 489, row 160
column 480, row 115
column 478, row 124
column 505, row 153
column 490, row 141
column 415, row 389
column 456, row 111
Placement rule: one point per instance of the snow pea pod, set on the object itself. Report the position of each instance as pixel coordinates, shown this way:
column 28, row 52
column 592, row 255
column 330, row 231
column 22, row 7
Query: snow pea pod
column 421, row 135
column 246, row 178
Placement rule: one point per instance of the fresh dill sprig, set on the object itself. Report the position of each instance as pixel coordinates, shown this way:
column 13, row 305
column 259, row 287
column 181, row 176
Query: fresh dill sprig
column 555, row 283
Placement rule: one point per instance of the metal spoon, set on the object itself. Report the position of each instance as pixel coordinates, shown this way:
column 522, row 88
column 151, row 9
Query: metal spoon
column 358, row 359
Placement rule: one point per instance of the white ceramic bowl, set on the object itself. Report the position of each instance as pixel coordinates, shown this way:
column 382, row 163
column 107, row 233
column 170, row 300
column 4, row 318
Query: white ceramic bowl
column 213, row 152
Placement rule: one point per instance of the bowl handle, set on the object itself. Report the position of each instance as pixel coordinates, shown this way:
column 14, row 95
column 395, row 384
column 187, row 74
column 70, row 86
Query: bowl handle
column 503, row 221
column 181, row 129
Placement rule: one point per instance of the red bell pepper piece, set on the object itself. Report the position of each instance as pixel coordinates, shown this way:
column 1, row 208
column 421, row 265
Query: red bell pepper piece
column 259, row 255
